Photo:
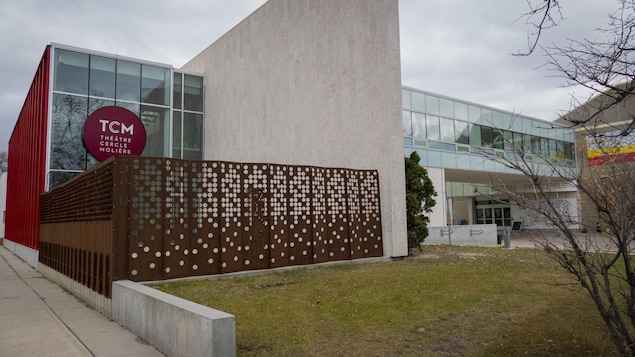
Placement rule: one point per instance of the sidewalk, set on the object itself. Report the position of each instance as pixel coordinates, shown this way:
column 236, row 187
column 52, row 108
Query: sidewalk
column 39, row 318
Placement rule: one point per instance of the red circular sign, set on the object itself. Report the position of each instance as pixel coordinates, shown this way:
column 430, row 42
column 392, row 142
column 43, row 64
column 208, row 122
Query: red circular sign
column 114, row 131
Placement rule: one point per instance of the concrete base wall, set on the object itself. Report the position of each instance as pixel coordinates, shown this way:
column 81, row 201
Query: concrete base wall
column 175, row 326
column 92, row 298
column 480, row 234
column 29, row 255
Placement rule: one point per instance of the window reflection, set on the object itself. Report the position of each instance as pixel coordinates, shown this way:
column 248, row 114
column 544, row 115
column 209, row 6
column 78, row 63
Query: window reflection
column 406, row 123
column 500, row 131
column 193, row 93
column 433, row 127
column 447, row 130
column 461, row 132
column 192, row 136
column 419, row 126
column 71, row 72
column 154, row 120
column 102, row 77
column 128, row 81
column 176, row 134
column 177, row 90
column 155, row 85
column 67, row 124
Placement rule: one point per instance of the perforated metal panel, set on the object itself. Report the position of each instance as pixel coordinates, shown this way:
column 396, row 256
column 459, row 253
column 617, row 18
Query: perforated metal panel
column 177, row 218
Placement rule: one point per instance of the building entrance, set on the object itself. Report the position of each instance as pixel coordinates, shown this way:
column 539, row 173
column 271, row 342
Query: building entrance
column 493, row 211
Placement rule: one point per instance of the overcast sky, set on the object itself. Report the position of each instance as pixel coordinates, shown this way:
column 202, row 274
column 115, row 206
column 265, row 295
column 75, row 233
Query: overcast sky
column 458, row 48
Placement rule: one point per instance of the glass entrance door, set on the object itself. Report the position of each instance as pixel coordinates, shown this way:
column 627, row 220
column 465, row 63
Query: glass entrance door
column 489, row 213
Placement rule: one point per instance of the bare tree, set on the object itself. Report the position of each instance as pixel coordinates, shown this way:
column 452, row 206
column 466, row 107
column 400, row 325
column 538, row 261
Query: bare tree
column 4, row 161
column 597, row 240
column 542, row 15
column 600, row 262
column 606, row 67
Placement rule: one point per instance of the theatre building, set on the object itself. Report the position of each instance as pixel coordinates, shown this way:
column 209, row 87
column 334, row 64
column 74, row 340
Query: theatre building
column 299, row 95
column 298, row 120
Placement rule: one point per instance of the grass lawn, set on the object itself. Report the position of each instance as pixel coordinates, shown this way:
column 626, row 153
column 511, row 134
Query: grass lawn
column 447, row 301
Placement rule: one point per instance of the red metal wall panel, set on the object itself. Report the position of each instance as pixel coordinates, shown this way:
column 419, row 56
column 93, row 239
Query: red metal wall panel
column 27, row 161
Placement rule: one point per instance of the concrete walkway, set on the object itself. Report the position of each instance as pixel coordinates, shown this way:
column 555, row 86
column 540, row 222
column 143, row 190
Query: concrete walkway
column 39, row 318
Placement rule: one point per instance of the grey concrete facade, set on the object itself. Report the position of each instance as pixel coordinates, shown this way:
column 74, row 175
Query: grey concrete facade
column 316, row 83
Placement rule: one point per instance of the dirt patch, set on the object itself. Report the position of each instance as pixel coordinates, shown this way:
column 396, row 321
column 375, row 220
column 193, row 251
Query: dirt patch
column 472, row 256
column 463, row 255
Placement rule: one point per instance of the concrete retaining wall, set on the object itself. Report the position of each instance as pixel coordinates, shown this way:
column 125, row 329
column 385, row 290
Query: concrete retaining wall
column 29, row 255
column 94, row 299
column 481, row 234
column 174, row 326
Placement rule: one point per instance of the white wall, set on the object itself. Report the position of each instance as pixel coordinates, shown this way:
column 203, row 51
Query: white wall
column 317, row 83
column 3, row 202
column 438, row 216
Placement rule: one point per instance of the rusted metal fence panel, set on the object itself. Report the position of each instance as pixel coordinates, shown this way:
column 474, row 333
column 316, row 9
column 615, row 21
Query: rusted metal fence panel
column 170, row 218
column 76, row 229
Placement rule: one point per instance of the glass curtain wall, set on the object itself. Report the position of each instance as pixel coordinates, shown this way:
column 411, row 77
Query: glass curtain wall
column 187, row 139
column 432, row 122
column 85, row 82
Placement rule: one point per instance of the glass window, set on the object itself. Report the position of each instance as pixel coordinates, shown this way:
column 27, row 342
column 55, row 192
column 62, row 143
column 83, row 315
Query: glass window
column 405, row 98
column 553, row 148
column 419, row 125
column 69, row 112
column 59, row 177
column 418, row 102
column 155, row 120
column 176, row 134
column 432, row 105
column 446, row 108
column 461, row 132
column 178, row 91
column 508, row 140
column 433, row 127
column 441, row 146
column 544, row 147
column 128, row 81
column 447, row 130
column 192, row 136
column 516, row 124
column 535, row 145
column 155, row 85
column 504, row 121
column 475, row 135
column 486, row 137
column 133, row 107
column 461, row 111
column 527, row 143
column 498, row 142
column 474, row 113
column 102, row 77
column 406, row 123
column 193, row 93
column 518, row 142
column 96, row 103
column 71, row 72
column 560, row 153
column 569, row 151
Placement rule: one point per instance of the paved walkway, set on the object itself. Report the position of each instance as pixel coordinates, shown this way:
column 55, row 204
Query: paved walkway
column 39, row 318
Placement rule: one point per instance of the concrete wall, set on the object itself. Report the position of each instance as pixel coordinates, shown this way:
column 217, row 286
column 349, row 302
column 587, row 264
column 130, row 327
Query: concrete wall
column 29, row 255
column 312, row 83
column 174, row 326
column 3, row 203
column 478, row 234
column 92, row 298
column 438, row 216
